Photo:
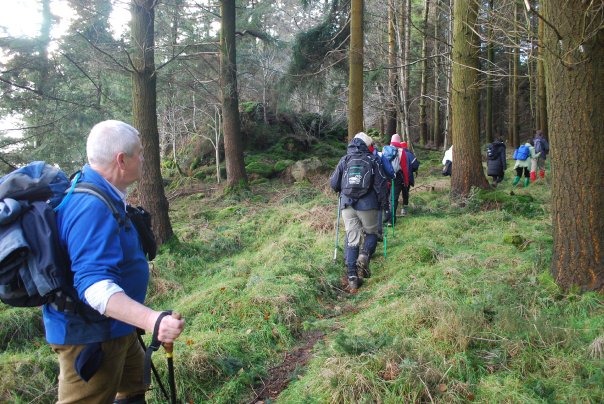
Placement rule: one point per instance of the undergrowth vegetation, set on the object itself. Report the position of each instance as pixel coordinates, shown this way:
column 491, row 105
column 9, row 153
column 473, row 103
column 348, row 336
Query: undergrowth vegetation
column 460, row 306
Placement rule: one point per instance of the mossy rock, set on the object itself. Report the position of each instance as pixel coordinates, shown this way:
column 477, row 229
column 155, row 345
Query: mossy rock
column 281, row 165
column 515, row 239
column 260, row 168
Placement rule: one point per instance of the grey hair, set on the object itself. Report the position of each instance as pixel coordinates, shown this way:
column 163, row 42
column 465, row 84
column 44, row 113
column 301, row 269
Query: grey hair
column 107, row 139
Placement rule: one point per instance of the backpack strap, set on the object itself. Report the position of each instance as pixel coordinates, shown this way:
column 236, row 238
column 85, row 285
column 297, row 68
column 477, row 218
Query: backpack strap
column 88, row 188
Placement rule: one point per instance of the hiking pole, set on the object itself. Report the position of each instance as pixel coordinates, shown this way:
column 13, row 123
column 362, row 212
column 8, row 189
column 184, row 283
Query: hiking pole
column 169, row 347
column 155, row 374
column 385, row 242
column 335, row 250
column 392, row 206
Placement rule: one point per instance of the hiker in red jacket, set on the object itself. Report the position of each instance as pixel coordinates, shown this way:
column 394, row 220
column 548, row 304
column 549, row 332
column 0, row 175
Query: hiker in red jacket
column 404, row 179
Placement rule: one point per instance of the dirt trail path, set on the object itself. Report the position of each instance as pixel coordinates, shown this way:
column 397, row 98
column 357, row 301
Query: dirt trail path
column 280, row 376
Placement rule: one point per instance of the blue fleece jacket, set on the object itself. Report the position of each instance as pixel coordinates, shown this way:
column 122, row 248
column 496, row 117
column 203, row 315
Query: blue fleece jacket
column 99, row 249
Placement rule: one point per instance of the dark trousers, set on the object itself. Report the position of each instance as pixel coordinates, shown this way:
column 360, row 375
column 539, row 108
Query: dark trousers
column 497, row 178
column 398, row 189
column 519, row 170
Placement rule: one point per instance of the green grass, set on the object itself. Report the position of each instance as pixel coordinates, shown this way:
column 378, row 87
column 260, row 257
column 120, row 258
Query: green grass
column 461, row 309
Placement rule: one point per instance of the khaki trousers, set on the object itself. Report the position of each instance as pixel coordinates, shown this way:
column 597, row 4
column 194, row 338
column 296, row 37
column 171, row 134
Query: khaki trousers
column 120, row 374
column 357, row 221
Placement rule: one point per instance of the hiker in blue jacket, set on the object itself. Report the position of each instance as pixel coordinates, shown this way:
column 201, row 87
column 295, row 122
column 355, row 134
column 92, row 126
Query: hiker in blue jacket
column 100, row 357
column 360, row 214
column 524, row 164
column 390, row 175
column 408, row 165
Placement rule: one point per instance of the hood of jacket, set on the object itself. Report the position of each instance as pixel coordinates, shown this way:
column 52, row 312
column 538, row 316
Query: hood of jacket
column 357, row 146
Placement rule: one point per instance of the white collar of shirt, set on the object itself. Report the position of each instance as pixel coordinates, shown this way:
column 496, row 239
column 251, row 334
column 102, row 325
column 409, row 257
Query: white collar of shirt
column 121, row 194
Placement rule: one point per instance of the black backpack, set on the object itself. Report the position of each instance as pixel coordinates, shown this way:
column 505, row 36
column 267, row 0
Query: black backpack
column 34, row 268
column 358, row 175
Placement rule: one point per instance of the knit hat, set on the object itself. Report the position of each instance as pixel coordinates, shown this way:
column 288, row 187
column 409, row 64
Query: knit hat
column 404, row 144
column 365, row 138
column 395, row 138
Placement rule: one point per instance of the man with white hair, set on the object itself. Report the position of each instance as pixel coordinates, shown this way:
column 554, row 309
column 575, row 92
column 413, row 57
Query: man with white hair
column 100, row 357
column 362, row 184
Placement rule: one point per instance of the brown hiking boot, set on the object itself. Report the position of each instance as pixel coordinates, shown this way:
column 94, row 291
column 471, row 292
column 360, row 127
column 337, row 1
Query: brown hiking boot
column 353, row 283
column 363, row 265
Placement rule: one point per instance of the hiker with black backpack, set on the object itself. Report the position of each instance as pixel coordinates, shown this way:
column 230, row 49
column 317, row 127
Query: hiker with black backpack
column 360, row 179
column 541, row 147
column 523, row 156
column 100, row 357
column 496, row 161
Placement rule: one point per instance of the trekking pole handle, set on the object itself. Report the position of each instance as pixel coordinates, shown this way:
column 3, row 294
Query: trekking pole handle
column 169, row 346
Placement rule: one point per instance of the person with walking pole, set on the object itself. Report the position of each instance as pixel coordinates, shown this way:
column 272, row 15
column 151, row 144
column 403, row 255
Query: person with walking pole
column 361, row 182
column 100, row 358
column 169, row 348
column 408, row 165
column 335, row 249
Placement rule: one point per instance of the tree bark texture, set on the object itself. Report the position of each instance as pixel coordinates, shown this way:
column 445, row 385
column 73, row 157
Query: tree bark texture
column 541, row 90
column 436, row 132
column 355, row 84
column 516, row 65
column 489, row 102
column 144, row 116
column 574, row 67
column 510, row 97
column 423, row 124
column 233, row 144
column 392, row 81
column 467, row 169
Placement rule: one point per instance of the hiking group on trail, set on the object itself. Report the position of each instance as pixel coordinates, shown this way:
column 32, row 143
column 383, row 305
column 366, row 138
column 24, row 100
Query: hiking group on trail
column 528, row 158
column 368, row 183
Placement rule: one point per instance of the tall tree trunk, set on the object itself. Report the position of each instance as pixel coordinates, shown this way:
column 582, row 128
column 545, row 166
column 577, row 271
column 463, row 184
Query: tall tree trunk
column 355, row 85
column 467, row 170
column 406, row 68
column 575, row 106
column 489, row 102
column 404, row 83
column 510, row 96
column 233, row 144
column 447, row 141
column 516, row 62
column 423, row 125
column 541, row 90
column 392, row 86
column 144, row 116
column 436, row 133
